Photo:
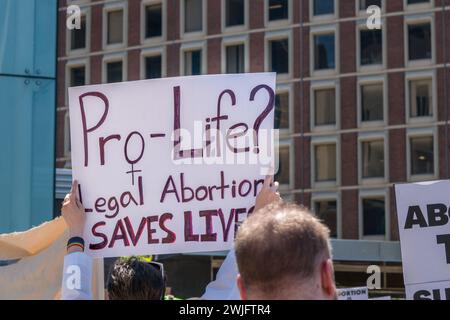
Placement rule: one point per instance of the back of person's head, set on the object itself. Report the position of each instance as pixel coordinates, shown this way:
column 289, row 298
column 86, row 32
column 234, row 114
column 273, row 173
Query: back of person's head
column 134, row 279
column 283, row 252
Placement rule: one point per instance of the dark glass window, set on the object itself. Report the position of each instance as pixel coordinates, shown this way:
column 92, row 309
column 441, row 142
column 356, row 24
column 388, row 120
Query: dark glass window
column 153, row 67
column 422, row 155
column 371, row 47
column 282, row 110
column 278, row 9
column 420, row 97
column 153, row 20
column 326, row 210
column 324, row 51
column 419, row 41
column 77, row 76
column 193, row 63
column 282, row 176
column 78, row 36
column 374, row 217
column 114, row 72
column 234, row 12
column 364, row 4
column 279, row 56
column 322, row 7
column 418, row 1
column 325, row 162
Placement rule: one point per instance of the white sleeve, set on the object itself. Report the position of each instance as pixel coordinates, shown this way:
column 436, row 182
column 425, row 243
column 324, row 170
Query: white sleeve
column 77, row 277
column 225, row 286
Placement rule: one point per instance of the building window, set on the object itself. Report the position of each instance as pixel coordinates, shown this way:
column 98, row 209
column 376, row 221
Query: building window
column 324, row 51
column 364, row 4
column 115, row 27
column 325, row 162
column 422, row 155
column 193, row 62
column 326, row 210
column 153, row 67
column 418, row 1
column 193, row 15
column 279, row 56
column 153, row 20
column 283, row 173
column 78, row 36
column 282, row 110
column 372, row 102
column 325, row 107
column 278, row 9
column 419, row 41
column 234, row 13
column 77, row 76
column 420, row 100
column 371, row 47
column 372, row 159
column 114, row 71
column 235, row 56
column 323, row 7
column 374, row 216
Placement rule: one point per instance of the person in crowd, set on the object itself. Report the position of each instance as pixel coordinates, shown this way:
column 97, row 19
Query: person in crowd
column 132, row 278
column 283, row 252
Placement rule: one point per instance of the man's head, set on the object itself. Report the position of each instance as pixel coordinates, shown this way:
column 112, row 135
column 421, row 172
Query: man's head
column 134, row 279
column 283, row 252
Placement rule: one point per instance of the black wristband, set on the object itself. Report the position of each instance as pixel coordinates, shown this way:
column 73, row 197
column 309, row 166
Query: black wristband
column 75, row 240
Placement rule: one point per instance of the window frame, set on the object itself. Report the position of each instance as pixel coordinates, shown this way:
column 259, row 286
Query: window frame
column 422, row 132
column 153, row 52
column 194, row 34
column 416, row 20
column 278, row 23
column 67, row 146
column 363, row 13
column 371, row 194
column 320, row 140
column 237, row 28
column 368, row 137
column 323, row 30
column 233, row 41
column 111, row 7
column 86, row 11
column 322, row 85
column 143, row 21
column 329, row 196
column 193, row 46
column 116, row 57
column 421, row 75
column 274, row 36
column 368, row 80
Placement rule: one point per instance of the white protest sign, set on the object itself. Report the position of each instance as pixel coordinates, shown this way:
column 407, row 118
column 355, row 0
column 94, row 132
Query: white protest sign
column 359, row 293
column 170, row 165
column 423, row 218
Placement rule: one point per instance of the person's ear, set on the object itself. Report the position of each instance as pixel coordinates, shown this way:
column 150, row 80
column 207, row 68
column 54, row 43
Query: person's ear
column 241, row 287
column 327, row 279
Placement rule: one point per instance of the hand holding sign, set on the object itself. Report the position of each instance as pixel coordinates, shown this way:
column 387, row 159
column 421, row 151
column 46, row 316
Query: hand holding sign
column 73, row 212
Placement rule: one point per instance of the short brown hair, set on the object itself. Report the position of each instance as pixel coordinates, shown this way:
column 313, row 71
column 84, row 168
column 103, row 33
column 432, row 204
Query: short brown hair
column 278, row 243
column 133, row 279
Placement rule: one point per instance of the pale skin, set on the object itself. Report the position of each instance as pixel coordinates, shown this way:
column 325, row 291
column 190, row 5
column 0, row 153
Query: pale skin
column 73, row 212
